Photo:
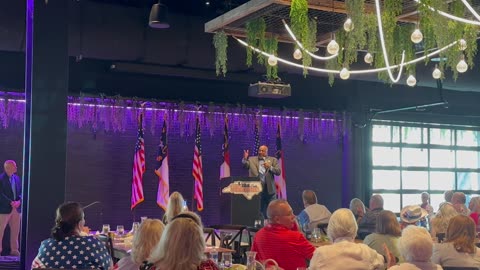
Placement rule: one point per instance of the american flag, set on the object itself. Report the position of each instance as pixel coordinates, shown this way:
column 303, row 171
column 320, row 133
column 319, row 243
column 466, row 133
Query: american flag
column 225, row 167
column 138, row 166
column 162, row 169
column 197, row 171
column 256, row 143
column 280, row 179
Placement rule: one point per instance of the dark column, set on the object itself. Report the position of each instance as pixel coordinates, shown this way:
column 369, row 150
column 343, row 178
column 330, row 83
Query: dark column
column 46, row 82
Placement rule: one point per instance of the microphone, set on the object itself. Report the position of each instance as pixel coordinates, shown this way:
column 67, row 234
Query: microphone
column 91, row 204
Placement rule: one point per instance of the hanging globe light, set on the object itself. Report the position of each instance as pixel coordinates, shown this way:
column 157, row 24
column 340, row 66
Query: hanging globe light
column 416, row 36
column 368, row 58
column 437, row 73
column 411, row 81
column 272, row 60
column 297, row 54
column 462, row 66
column 348, row 25
column 332, row 47
column 344, row 74
column 462, row 44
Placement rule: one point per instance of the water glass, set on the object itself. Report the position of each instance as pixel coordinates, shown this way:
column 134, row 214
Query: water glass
column 258, row 223
column 214, row 256
column 105, row 229
column 316, row 235
column 251, row 259
column 135, row 227
column 120, row 230
column 227, row 259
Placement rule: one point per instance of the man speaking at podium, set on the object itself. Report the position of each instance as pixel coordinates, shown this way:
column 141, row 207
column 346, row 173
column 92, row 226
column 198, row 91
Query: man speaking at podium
column 263, row 167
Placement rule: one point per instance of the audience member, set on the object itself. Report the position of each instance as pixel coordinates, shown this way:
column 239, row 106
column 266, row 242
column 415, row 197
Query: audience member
column 344, row 253
column 474, row 207
column 174, row 207
column 358, row 209
column 367, row 223
column 411, row 215
column 66, row 248
column 144, row 240
column 280, row 240
column 458, row 201
column 415, row 246
column 459, row 248
column 426, row 205
column 314, row 213
column 181, row 246
column 439, row 223
column 447, row 195
column 387, row 232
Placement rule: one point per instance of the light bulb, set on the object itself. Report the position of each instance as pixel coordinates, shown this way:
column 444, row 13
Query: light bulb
column 462, row 66
column 416, row 36
column 436, row 74
column 332, row 47
column 462, row 44
column 368, row 58
column 348, row 25
column 411, row 81
column 344, row 74
column 297, row 54
column 272, row 60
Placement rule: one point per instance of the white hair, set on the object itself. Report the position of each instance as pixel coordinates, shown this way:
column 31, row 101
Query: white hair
column 342, row 224
column 415, row 244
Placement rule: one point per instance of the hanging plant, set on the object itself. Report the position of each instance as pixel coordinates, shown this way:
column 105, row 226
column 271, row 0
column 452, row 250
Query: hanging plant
column 300, row 27
column 256, row 37
column 220, row 42
column 355, row 39
column 271, row 47
column 470, row 35
column 310, row 45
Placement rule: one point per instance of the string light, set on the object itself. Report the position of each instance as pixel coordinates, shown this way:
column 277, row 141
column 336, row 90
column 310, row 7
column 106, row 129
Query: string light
column 368, row 58
column 348, row 25
column 416, row 36
column 297, row 54
column 272, row 60
column 462, row 44
column 332, row 47
column 437, row 73
column 344, row 74
column 411, row 81
column 450, row 16
column 462, row 66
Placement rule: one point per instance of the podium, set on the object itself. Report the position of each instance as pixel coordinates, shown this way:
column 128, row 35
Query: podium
column 235, row 208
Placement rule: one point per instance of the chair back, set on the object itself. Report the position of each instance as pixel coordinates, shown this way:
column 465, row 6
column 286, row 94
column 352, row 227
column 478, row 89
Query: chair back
column 107, row 240
column 210, row 236
column 440, row 237
column 323, row 227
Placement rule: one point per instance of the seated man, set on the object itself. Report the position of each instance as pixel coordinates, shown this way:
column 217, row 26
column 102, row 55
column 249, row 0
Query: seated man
column 280, row 240
column 458, row 202
column 314, row 213
column 367, row 224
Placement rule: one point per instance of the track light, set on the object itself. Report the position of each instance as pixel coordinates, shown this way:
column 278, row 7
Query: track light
column 158, row 16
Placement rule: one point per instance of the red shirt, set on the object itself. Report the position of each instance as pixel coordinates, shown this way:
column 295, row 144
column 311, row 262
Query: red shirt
column 289, row 248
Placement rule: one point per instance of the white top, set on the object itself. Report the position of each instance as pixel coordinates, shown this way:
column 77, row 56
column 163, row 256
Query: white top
column 445, row 254
column 416, row 266
column 346, row 255
column 126, row 263
column 317, row 214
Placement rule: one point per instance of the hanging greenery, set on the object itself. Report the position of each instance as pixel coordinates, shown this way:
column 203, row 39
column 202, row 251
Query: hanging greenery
column 355, row 39
column 220, row 42
column 256, row 37
column 426, row 26
column 310, row 45
column 470, row 36
column 300, row 25
column 271, row 47
column 371, row 29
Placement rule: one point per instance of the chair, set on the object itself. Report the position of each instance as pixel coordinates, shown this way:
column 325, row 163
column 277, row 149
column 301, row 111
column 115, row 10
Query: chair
column 231, row 241
column 210, row 234
column 323, row 227
column 107, row 240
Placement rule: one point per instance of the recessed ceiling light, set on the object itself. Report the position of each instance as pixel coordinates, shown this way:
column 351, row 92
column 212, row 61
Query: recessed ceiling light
column 207, row 3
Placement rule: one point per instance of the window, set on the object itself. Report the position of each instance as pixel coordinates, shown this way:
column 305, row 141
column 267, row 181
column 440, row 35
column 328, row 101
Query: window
column 409, row 158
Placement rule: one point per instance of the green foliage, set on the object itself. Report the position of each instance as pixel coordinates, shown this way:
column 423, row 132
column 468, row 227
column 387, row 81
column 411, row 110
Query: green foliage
column 271, row 47
column 256, row 37
column 310, row 44
column 470, row 36
column 372, row 32
column 356, row 39
column 220, row 42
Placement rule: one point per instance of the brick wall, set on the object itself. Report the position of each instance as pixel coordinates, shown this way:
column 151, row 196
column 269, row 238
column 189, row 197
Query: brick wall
column 99, row 166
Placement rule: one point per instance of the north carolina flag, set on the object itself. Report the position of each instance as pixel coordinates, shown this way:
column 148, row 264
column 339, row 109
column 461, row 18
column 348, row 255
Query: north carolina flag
column 161, row 170
column 280, row 179
column 225, row 167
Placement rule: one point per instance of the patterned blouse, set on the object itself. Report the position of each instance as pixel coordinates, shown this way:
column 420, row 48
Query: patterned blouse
column 84, row 252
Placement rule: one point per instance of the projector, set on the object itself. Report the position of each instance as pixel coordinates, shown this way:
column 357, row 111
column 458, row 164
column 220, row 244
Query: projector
column 269, row 90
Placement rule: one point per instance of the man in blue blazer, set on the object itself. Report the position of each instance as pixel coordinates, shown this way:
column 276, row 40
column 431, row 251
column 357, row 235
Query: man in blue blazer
column 10, row 204
column 265, row 168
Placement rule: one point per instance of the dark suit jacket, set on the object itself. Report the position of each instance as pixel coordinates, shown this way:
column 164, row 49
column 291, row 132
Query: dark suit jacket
column 6, row 193
column 252, row 165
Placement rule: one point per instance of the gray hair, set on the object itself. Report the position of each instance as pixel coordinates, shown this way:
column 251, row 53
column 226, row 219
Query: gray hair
column 342, row 224
column 415, row 244
column 376, row 200
column 309, row 197
column 356, row 203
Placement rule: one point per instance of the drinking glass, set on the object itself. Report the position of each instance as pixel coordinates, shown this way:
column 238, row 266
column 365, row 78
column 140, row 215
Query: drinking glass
column 265, row 222
column 135, row 227
column 316, row 235
column 120, row 230
column 251, row 259
column 105, row 229
column 214, row 256
column 258, row 223
column 227, row 259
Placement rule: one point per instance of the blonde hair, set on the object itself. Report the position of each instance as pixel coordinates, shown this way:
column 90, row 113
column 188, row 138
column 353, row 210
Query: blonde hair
column 145, row 239
column 175, row 206
column 342, row 224
column 182, row 244
column 474, row 205
column 442, row 218
column 387, row 224
column 461, row 233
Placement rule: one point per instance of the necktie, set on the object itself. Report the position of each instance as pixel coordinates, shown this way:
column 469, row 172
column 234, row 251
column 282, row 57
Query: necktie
column 261, row 169
column 12, row 184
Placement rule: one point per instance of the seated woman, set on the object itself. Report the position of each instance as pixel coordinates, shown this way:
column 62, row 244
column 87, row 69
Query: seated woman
column 174, row 207
column 144, row 240
column 440, row 222
column 415, row 247
column 387, row 232
column 345, row 254
column 182, row 246
column 66, row 248
column 358, row 209
column 459, row 249
column 474, row 207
